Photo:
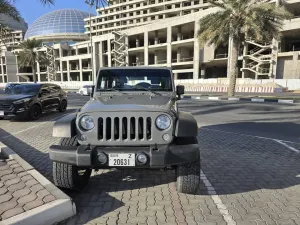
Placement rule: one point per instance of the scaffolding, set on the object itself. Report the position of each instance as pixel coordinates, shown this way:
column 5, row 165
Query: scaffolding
column 259, row 59
column 50, row 55
column 119, row 51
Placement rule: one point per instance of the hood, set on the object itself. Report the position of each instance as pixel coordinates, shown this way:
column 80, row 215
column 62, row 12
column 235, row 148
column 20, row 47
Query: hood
column 129, row 103
column 6, row 97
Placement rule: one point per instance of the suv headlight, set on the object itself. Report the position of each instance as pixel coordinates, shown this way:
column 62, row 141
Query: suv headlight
column 163, row 122
column 87, row 122
column 22, row 101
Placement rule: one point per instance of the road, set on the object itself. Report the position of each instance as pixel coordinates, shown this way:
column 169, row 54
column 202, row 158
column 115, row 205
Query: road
column 250, row 167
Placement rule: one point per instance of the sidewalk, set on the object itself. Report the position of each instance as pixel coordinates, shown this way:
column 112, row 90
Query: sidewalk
column 26, row 197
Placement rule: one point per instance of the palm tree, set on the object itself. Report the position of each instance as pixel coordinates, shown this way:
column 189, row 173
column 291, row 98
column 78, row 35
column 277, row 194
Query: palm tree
column 28, row 56
column 238, row 20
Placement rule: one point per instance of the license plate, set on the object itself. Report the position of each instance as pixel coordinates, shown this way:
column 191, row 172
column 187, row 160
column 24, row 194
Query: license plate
column 1, row 113
column 116, row 159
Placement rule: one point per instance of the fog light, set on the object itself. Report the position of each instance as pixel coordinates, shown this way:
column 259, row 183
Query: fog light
column 83, row 137
column 142, row 158
column 102, row 158
column 166, row 137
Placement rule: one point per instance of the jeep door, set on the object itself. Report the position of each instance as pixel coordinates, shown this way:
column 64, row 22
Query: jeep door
column 45, row 97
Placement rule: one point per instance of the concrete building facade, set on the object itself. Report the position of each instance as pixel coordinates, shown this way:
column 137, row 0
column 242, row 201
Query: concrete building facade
column 163, row 33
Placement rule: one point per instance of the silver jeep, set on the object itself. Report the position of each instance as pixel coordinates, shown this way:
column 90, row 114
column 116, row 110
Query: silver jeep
column 131, row 121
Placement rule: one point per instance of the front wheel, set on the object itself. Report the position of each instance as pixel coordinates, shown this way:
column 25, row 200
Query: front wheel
column 63, row 106
column 34, row 112
column 188, row 177
column 70, row 176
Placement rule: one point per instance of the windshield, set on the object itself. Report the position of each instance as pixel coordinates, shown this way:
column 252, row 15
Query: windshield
column 24, row 90
column 134, row 80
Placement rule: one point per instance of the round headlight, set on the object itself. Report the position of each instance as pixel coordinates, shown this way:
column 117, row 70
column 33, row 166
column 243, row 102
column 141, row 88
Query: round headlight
column 87, row 122
column 163, row 122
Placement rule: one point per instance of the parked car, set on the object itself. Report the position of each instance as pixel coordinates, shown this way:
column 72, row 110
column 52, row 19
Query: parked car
column 131, row 121
column 86, row 90
column 31, row 100
column 9, row 86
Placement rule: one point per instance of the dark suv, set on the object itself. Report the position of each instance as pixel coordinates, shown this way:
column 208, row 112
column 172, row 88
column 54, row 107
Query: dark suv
column 31, row 100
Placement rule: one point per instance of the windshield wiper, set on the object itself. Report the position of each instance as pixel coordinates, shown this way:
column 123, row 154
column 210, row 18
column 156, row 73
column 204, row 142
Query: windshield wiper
column 112, row 89
column 146, row 89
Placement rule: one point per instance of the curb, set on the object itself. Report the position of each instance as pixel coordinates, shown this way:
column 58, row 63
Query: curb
column 273, row 100
column 60, row 209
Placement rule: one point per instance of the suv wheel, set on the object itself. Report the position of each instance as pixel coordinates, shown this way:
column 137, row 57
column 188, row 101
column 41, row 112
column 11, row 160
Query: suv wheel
column 188, row 177
column 63, row 106
column 35, row 112
column 70, row 176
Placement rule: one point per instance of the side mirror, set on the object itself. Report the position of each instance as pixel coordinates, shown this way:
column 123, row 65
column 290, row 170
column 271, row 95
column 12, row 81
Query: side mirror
column 179, row 90
column 92, row 92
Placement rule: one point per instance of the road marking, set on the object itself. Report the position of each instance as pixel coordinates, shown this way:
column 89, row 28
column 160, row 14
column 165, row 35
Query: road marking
column 213, row 98
column 257, row 100
column 29, row 128
column 285, row 101
column 286, row 145
column 217, row 200
column 247, row 135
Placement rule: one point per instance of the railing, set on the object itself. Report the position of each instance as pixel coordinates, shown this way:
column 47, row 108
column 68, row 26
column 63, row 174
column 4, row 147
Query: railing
column 183, row 60
column 221, row 56
column 138, row 64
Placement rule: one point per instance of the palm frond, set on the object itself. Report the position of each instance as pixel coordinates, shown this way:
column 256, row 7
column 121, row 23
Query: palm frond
column 7, row 8
column 47, row 2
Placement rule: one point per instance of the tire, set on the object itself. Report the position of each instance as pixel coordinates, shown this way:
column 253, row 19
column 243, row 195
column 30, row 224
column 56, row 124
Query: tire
column 34, row 112
column 188, row 177
column 63, row 106
column 70, row 176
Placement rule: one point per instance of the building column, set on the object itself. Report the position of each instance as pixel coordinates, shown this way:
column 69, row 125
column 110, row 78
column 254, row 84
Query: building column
column 38, row 72
column 178, row 54
column 80, row 70
column 76, row 50
column 156, row 37
column 2, row 72
column 94, row 63
column 175, row 76
column 61, row 63
column 146, row 48
column 169, row 46
column 68, row 70
column 155, row 57
column 109, row 52
column 196, row 52
column 179, row 33
column 126, row 50
column 137, row 42
column 101, row 54
column 245, row 52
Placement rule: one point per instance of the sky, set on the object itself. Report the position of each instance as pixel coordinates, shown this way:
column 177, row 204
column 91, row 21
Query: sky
column 33, row 9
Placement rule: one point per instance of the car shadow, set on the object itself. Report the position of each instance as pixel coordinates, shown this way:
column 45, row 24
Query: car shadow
column 236, row 163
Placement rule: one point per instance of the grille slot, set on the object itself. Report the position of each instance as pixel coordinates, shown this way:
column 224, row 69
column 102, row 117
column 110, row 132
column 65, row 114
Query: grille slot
column 124, row 128
column 5, row 106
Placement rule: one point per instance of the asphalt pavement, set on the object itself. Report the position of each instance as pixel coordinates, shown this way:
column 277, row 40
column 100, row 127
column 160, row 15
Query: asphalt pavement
column 249, row 169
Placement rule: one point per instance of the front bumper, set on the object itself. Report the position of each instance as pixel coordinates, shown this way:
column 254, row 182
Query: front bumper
column 14, row 110
column 158, row 157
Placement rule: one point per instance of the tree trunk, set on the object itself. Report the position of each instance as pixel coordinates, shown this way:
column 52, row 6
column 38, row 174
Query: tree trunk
column 232, row 64
column 34, row 73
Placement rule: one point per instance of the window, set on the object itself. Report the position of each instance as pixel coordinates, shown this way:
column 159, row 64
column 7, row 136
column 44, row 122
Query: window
column 54, row 88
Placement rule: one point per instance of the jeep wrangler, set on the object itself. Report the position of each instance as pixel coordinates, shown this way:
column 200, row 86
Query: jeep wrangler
column 131, row 121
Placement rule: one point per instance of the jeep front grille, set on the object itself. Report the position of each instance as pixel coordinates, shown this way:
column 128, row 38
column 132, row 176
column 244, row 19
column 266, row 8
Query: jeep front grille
column 5, row 105
column 124, row 128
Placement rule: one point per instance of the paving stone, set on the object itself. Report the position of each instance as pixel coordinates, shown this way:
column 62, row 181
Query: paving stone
column 12, row 181
column 5, row 198
column 33, row 204
column 26, row 199
column 35, row 188
column 31, row 182
column 17, row 186
column 8, row 177
column 21, row 192
column 3, row 190
column 49, row 198
column 12, row 212
column 12, row 203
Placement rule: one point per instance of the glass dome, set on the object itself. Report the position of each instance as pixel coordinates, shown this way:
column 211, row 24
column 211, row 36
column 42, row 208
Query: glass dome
column 62, row 21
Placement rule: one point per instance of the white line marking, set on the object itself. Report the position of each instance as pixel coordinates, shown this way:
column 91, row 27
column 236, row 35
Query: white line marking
column 286, row 145
column 214, row 98
column 217, row 200
column 285, row 101
column 29, row 128
column 233, row 99
column 257, row 100
column 247, row 135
